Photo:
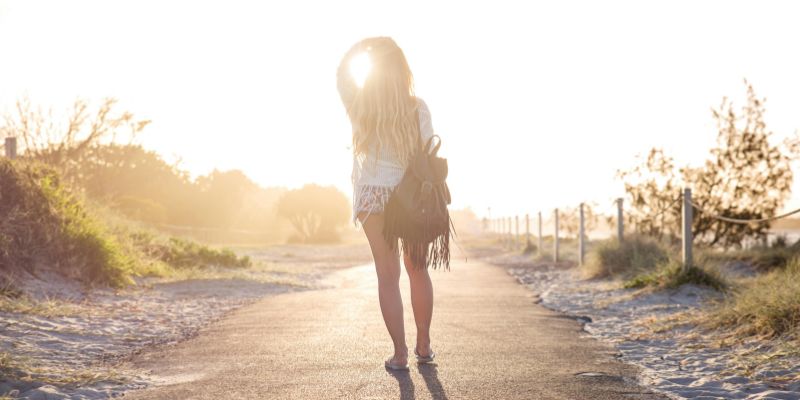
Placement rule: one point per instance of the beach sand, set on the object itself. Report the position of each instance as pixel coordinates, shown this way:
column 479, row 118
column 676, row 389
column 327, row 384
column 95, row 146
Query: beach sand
column 679, row 360
column 72, row 343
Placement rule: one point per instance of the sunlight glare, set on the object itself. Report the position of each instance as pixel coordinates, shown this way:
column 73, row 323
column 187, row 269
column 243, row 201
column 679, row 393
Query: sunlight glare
column 360, row 66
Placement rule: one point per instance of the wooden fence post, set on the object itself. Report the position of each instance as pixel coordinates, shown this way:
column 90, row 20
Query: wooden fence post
column 686, row 244
column 555, row 235
column 581, row 235
column 516, row 229
column 11, row 147
column 527, row 231
column 620, row 222
column 510, row 233
column 541, row 240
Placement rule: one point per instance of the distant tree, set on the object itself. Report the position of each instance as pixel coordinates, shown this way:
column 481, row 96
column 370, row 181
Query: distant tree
column 569, row 219
column 221, row 196
column 652, row 190
column 316, row 212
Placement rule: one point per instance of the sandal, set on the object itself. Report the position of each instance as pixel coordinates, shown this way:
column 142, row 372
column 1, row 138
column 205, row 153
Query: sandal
column 391, row 365
column 424, row 360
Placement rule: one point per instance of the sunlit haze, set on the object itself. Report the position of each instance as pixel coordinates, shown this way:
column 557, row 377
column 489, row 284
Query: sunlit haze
column 538, row 104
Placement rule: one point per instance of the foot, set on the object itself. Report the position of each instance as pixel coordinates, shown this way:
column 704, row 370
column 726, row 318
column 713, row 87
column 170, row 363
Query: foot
column 425, row 355
column 397, row 363
column 423, row 351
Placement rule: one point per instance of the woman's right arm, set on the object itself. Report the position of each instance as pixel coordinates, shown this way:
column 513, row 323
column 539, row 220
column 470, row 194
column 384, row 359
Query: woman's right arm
column 344, row 79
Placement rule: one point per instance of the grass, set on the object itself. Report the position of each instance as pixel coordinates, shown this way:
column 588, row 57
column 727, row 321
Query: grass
column 44, row 308
column 181, row 253
column 761, row 257
column 21, row 369
column 766, row 306
column 44, row 222
column 645, row 262
column 672, row 274
column 634, row 255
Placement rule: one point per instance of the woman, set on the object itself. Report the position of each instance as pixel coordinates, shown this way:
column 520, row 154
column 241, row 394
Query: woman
column 388, row 122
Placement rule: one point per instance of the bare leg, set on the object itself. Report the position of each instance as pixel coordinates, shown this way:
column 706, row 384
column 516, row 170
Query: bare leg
column 387, row 266
column 422, row 303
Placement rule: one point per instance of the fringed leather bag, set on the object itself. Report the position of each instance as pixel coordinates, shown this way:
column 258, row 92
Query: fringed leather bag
column 416, row 212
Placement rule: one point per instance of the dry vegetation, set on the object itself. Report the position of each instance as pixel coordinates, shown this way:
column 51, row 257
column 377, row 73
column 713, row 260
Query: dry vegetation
column 765, row 306
column 45, row 224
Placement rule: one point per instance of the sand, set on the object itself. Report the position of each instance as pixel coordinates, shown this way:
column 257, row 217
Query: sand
column 681, row 361
column 74, row 349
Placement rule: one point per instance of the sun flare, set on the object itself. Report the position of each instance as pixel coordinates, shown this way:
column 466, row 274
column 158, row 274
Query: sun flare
column 360, row 66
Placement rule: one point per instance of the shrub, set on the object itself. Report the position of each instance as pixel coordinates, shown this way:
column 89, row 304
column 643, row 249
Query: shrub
column 769, row 305
column 671, row 275
column 43, row 222
column 182, row 253
column 763, row 258
column 631, row 256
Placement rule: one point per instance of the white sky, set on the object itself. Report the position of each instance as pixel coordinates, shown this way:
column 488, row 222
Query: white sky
column 538, row 103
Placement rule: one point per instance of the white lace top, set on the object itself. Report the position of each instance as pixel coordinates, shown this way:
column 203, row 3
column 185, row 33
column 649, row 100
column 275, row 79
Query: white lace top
column 376, row 175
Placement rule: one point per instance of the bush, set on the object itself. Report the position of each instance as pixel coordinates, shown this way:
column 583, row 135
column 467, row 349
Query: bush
column 181, row 253
column 769, row 305
column 43, row 222
column 763, row 258
column 671, row 275
column 633, row 255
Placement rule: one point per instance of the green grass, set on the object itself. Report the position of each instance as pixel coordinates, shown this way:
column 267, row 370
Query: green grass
column 766, row 306
column 46, row 223
column 181, row 253
column 634, row 255
column 672, row 274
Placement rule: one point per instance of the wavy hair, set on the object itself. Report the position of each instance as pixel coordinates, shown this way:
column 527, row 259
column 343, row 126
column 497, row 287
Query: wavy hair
column 384, row 110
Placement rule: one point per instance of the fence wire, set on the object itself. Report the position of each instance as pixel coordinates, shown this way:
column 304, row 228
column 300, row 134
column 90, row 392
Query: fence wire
column 743, row 221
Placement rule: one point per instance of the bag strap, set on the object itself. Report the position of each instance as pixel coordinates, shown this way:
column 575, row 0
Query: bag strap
column 433, row 151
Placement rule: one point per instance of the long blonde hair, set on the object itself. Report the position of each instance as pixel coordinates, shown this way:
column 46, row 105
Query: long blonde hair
column 384, row 109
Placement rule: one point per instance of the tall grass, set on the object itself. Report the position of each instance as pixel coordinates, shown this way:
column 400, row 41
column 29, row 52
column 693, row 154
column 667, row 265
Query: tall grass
column 642, row 261
column 763, row 258
column 42, row 222
column 672, row 274
column 767, row 306
column 634, row 255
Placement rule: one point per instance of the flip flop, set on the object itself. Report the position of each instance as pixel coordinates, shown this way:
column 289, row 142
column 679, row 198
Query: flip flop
column 424, row 360
column 395, row 367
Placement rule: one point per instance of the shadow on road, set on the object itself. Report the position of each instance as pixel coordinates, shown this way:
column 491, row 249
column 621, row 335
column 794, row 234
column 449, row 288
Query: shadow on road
column 431, row 376
column 405, row 383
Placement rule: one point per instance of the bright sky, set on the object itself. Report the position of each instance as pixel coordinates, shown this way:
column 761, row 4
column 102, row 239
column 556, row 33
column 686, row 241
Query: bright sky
column 538, row 103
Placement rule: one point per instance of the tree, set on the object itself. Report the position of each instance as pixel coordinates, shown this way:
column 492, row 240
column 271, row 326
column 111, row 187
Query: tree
column 569, row 219
column 221, row 196
column 316, row 212
column 652, row 189
column 746, row 177
column 65, row 146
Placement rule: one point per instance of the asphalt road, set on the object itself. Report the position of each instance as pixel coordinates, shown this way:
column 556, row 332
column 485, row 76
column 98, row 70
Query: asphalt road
column 491, row 342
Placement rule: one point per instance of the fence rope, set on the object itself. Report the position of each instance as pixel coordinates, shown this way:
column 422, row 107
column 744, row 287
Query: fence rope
column 743, row 221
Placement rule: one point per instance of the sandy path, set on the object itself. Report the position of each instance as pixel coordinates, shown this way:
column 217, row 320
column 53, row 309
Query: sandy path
column 491, row 341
